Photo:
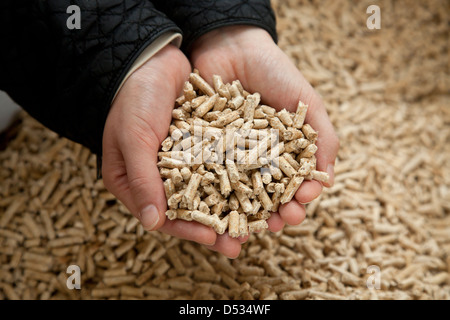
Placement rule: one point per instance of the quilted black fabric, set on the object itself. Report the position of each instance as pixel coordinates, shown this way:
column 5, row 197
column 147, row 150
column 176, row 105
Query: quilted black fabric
column 67, row 78
column 198, row 17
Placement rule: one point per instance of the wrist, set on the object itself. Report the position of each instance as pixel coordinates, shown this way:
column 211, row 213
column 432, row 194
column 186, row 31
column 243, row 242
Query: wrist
column 166, row 66
column 148, row 52
column 161, row 78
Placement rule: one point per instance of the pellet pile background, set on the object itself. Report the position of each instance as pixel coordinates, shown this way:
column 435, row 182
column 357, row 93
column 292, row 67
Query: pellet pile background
column 387, row 95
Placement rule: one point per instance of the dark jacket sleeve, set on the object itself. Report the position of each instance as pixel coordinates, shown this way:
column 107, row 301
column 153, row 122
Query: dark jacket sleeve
column 65, row 78
column 197, row 17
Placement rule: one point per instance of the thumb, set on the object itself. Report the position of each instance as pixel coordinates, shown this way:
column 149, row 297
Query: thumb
column 146, row 191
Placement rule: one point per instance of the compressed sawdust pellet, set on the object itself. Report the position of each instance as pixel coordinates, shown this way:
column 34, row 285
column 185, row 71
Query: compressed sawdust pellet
column 231, row 160
column 387, row 96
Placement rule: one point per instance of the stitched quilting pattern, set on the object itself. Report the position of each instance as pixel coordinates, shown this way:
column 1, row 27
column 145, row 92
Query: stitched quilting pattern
column 66, row 79
column 198, row 17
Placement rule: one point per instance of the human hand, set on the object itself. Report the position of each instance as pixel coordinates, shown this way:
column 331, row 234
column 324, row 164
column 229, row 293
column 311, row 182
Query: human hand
column 137, row 123
column 250, row 55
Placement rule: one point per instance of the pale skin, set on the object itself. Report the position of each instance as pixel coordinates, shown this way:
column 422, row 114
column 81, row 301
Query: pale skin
column 140, row 116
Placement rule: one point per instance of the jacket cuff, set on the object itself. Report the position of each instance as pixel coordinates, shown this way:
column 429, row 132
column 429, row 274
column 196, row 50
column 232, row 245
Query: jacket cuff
column 171, row 37
column 196, row 18
column 70, row 76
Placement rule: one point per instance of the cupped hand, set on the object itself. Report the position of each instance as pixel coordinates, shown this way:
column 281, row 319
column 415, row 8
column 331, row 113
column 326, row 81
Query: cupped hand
column 136, row 125
column 250, row 55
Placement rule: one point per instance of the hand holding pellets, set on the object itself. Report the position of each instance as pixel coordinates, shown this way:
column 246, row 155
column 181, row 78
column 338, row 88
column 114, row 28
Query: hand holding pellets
column 230, row 161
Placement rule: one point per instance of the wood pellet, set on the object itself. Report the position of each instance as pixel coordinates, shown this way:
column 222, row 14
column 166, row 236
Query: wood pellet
column 222, row 183
column 385, row 92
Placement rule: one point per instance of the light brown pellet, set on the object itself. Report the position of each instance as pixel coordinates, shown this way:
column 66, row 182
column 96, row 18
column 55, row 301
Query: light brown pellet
column 233, row 224
column 300, row 115
column 391, row 171
column 291, row 189
column 256, row 226
column 189, row 193
column 200, row 83
column 233, row 149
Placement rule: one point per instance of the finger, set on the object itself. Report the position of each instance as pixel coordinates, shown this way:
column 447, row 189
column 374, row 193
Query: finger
column 327, row 141
column 308, row 191
column 145, row 184
column 115, row 176
column 243, row 239
column 293, row 213
column 275, row 222
column 190, row 230
column 230, row 247
column 317, row 116
column 291, row 88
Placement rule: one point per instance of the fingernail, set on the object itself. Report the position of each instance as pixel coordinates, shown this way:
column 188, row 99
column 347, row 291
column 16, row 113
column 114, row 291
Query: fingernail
column 330, row 171
column 209, row 244
column 149, row 217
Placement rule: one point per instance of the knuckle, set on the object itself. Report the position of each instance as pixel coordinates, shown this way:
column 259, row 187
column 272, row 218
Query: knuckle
column 335, row 142
column 142, row 136
column 138, row 184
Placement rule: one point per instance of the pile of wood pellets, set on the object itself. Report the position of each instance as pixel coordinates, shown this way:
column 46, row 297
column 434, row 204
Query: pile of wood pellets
column 384, row 224
column 226, row 153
